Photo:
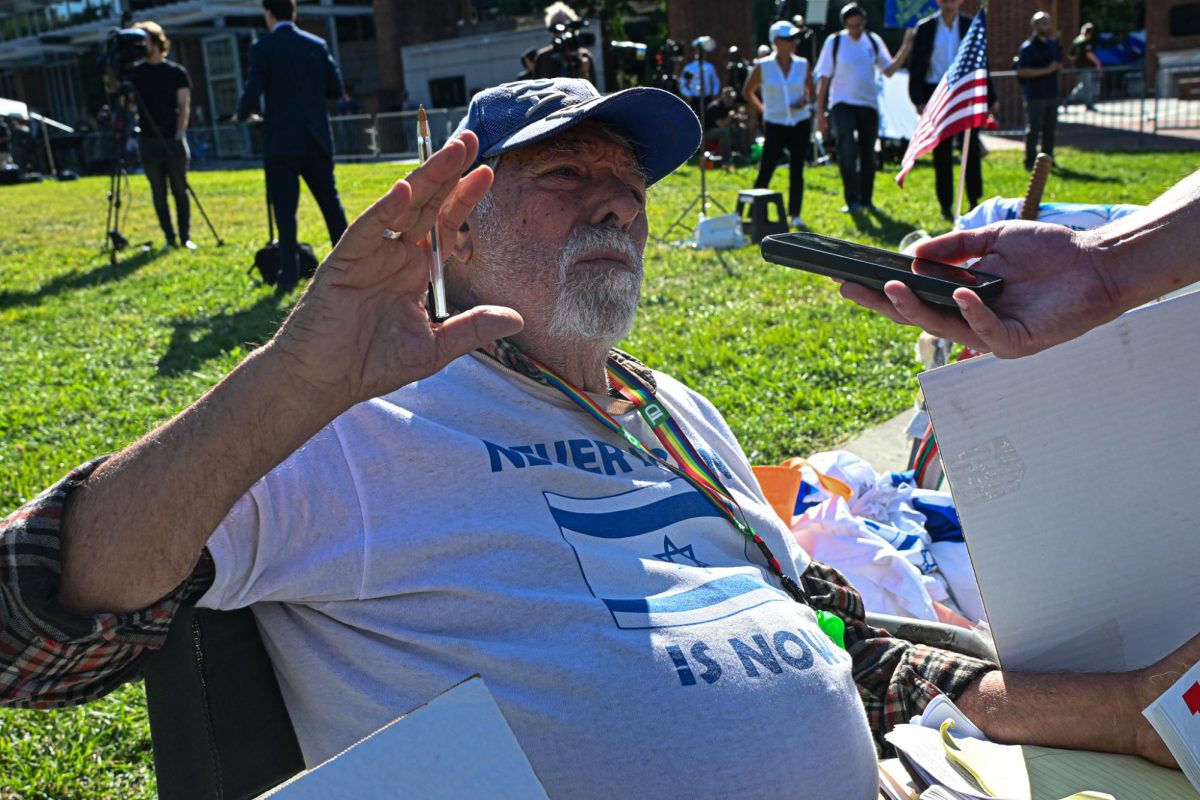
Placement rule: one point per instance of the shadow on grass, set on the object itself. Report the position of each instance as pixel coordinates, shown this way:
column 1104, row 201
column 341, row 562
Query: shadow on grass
column 880, row 224
column 105, row 273
column 1085, row 177
column 220, row 335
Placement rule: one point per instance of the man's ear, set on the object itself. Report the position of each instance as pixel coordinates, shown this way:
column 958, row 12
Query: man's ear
column 458, row 278
column 464, row 242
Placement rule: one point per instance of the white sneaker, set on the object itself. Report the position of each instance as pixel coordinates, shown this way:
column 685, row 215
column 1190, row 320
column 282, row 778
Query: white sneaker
column 798, row 223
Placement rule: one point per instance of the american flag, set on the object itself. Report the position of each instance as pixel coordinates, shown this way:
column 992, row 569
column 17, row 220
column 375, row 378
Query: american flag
column 960, row 100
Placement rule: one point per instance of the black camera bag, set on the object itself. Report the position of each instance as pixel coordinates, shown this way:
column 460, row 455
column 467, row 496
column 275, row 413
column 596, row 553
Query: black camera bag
column 266, row 259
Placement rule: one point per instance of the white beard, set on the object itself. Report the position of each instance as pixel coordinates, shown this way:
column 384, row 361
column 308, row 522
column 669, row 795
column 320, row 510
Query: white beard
column 596, row 306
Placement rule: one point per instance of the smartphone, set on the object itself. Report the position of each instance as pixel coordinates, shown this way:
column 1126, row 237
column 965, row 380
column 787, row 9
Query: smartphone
column 931, row 281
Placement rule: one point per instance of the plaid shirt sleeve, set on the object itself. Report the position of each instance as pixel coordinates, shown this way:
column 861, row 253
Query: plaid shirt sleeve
column 896, row 679
column 50, row 658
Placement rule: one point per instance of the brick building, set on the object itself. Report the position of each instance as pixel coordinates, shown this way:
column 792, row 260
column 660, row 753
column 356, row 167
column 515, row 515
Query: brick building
column 48, row 47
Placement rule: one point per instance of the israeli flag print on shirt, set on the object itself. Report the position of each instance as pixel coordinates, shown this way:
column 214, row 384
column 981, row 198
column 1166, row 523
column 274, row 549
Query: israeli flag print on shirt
column 661, row 556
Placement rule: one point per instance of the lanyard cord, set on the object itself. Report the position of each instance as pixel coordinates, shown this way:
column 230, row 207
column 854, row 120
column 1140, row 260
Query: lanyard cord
column 692, row 468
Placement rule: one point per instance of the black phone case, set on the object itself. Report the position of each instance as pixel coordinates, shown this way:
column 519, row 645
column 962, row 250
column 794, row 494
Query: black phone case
column 791, row 250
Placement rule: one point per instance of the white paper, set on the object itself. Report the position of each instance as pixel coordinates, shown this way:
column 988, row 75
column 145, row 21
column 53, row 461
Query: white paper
column 924, row 748
column 1176, row 717
column 457, row 745
column 1076, row 472
column 942, row 708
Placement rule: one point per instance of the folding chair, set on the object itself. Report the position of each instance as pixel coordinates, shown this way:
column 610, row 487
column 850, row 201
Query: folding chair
column 217, row 719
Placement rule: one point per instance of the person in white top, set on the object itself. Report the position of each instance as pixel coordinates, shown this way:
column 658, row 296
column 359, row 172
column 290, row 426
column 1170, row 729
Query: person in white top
column 846, row 71
column 786, row 84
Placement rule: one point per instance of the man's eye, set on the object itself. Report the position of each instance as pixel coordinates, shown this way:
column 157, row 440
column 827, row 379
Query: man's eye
column 565, row 172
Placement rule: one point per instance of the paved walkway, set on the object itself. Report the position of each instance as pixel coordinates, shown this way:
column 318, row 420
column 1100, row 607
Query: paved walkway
column 884, row 447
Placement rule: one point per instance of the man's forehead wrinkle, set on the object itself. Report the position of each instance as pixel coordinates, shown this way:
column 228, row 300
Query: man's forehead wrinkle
column 582, row 146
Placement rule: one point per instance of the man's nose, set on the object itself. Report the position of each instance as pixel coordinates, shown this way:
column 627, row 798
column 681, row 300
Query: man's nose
column 618, row 205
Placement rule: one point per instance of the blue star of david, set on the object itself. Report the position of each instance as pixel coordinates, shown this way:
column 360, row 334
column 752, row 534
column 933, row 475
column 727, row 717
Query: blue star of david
column 670, row 550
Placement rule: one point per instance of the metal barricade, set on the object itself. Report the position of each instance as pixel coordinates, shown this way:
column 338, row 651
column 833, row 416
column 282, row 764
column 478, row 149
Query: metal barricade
column 203, row 143
column 396, row 131
column 1114, row 100
column 237, row 142
column 353, row 138
column 1177, row 104
column 396, row 134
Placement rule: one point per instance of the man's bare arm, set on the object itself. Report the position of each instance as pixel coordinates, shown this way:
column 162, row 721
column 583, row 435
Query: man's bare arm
column 822, row 96
column 135, row 529
column 1101, row 711
column 897, row 63
column 183, row 104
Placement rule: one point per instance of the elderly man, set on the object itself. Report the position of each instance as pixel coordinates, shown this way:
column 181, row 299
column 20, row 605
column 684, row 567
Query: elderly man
column 503, row 493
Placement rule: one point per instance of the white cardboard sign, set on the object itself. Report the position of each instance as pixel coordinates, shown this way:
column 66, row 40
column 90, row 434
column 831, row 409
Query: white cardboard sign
column 457, row 745
column 1076, row 473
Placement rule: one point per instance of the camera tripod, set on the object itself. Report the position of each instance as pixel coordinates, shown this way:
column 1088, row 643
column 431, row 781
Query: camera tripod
column 124, row 102
column 118, row 176
column 703, row 156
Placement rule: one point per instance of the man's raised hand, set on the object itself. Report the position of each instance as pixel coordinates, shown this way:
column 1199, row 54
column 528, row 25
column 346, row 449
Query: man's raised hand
column 362, row 329
column 1053, row 290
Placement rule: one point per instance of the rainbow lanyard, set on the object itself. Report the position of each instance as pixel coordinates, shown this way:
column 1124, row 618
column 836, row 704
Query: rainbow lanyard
column 692, row 468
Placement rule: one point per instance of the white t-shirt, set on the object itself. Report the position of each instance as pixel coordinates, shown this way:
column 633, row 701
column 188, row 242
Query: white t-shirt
column 854, row 80
column 783, row 95
column 478, row 521
column 945, row 46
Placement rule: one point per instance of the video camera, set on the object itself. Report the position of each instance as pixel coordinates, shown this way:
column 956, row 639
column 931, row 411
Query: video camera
column 737, row 68
column 123, row 48
column 569, row 36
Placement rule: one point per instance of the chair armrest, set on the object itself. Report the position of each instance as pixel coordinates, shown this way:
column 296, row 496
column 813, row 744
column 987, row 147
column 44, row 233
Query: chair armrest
column 935, row 634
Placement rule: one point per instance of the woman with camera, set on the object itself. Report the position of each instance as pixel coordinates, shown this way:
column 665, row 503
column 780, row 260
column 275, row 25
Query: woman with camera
column 787, row 91
column 164, row 93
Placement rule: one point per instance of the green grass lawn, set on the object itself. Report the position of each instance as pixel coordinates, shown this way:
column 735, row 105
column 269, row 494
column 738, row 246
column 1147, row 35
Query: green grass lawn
column 94, row 355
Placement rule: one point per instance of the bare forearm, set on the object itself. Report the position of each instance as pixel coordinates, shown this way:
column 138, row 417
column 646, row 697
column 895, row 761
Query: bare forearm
column 1153, row 252
column 1082, row 712
column 134, row 530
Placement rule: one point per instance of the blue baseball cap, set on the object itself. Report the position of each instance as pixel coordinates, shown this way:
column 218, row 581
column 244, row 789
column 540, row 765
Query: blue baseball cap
column 664, row 129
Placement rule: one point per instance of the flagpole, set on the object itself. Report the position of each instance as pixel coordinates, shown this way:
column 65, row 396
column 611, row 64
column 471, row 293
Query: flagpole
column 962, row 171
column 966, row 150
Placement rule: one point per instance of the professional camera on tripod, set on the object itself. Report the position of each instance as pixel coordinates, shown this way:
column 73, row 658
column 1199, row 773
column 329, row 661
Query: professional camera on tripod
column 635, row 66
column 145, row 89
column 123, row 48
column 567, row 55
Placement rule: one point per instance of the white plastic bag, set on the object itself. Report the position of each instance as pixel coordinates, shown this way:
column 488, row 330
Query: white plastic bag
column 719, row 233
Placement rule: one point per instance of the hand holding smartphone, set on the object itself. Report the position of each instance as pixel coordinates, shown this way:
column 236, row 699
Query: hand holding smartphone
column 932, row 281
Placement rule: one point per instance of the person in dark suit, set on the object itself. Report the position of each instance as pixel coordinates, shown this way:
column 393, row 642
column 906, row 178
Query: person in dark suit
column 299, row 76
column 937, row 40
